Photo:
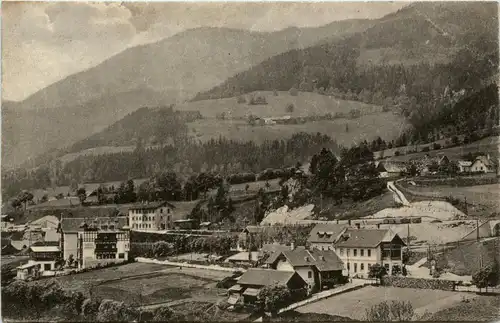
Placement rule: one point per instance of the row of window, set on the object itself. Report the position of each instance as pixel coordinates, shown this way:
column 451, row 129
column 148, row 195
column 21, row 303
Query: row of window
column 148, row 218
column 355, row 252
column 147, row 211
column 92, row 236
column 142, row 226
column 361, row 267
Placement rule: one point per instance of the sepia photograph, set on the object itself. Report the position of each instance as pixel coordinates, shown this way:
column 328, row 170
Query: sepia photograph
column 250, row 161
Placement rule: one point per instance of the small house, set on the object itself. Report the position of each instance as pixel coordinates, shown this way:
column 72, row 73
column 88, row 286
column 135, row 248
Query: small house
column 389, row 169
column 464, row 166
column 482, row 164
column 254, row 279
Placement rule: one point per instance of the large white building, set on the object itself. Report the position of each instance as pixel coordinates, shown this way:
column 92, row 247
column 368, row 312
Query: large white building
column 95, row 241
column 359, row 249
column 152, row 216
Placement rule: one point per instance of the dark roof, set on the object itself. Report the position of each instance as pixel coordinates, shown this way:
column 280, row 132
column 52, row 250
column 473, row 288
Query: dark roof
column 364, row 238
column 265, row 277
column 323, row 260
column 326, row 232
column 75, row 224
column 150, row 205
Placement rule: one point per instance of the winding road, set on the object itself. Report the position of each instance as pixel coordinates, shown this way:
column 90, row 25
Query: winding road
column 398, row 195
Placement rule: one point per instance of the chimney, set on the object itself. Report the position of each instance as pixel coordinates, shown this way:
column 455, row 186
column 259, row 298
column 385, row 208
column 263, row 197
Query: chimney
column 358, row 225
column 292, row 246
column 306, row 259
column 322, row 258
column 378, row 225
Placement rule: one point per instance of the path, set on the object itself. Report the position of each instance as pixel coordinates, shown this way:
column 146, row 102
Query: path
column 398, row 195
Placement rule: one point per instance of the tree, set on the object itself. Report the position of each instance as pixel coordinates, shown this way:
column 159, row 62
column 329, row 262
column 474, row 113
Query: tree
column 162, row 314
column 273, row 298
column 24, row 197
column 377, row 271
column 487, row 276
column 387, row 312
column 82, row 195
column 290, row 108
column 293, row 91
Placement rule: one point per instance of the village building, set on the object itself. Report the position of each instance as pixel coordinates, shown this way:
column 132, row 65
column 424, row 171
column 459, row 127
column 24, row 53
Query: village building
column 464, row 166
column 185, row 224
column 249, row 236
column 152, row 216
column 95, row 241
column 324, row 235
column 254, row 279
column 389, row 169
column 482, row 164
column 360, row 249
column 318, row 268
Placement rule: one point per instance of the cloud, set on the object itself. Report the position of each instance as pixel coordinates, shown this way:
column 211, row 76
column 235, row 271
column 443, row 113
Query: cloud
column 43, row 42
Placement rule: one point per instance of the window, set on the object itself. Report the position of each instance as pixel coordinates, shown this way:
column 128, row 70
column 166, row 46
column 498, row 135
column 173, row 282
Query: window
column 309, row 274
column 355, row 252
column 168, row 211
column 341, row 251
column 161, row 210
column 348, row 266
column 362, row 267
column 121, row 255
column 347, row 252
column 46, row 267
column 362, row 252
column 369, row 253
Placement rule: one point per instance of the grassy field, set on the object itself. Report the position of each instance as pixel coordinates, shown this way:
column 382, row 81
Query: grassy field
column 481, row 308
column 481, row 199
column 367, row 127
column 305, row 104
column 353, row 304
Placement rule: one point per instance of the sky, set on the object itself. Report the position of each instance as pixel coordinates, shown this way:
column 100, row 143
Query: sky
column 43, row 42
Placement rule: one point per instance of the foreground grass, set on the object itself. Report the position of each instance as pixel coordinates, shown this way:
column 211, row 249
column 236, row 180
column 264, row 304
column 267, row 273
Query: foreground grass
column 481, row 308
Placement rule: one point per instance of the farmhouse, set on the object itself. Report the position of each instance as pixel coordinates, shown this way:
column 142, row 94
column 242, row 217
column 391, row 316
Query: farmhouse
column 390, row 169
column 464, row 166
column 359, row 249
column 318, row 268
column 324, row 235
column 482, row 164
column 92, row 241
column 152, row 216
column 254, row 279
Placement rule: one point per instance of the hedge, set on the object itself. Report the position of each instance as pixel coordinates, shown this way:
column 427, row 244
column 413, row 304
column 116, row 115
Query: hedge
column 420, row 283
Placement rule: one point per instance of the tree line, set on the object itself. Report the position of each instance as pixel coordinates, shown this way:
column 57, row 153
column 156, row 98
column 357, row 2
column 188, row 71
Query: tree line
column 186, row 157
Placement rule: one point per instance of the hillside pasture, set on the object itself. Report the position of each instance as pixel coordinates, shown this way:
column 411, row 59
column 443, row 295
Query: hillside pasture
column 305, row 104
column 354, row 303
column 366, row 127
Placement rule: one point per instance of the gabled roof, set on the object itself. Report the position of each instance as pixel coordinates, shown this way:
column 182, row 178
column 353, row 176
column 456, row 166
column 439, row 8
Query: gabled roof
column 322, row 259
column 75, row 224
column 326, row 232
column 265, row 277
column 365, row 238
column 253, row 229
column 150, row 205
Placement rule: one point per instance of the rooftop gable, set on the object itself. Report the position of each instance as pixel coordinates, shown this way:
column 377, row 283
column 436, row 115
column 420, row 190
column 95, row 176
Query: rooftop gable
column 364, row 238
column 326, row 232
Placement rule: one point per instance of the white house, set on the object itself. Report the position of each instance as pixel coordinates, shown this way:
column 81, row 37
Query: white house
column 92, row 241
column 482, row 164
column 360, row 249
column 151, row 216
column 464, row 166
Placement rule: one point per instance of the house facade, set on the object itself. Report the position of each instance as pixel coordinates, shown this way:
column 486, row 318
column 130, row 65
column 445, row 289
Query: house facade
column 95, row 241
column 152, row 216
column 359, row 249
column 45, row 254
column 482, row 164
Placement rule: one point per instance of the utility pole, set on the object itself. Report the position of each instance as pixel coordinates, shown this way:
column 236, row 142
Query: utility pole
column 477, row 229
column 409, row 237
column 466, row 209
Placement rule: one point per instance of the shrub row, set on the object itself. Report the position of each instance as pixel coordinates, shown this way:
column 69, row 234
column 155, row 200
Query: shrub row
column 459, row 181
column 48, row 300
column 407, row 282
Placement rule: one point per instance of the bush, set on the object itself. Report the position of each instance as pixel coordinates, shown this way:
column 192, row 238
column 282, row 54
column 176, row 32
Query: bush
column 425, row 149
column 397, row 153
column 436, row 146
column 90, row 308
column 293, row 91
column 290, row 108
column 394, row 311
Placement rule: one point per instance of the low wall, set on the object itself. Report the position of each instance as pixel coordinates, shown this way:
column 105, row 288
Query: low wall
column 186, row 265
column 420, row 283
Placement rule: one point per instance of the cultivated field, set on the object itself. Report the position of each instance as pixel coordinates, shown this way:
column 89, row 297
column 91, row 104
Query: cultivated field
column 353, row 304
column 145, row 284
